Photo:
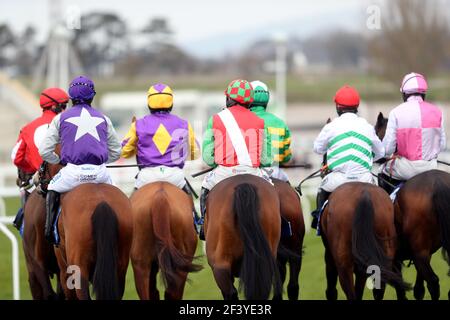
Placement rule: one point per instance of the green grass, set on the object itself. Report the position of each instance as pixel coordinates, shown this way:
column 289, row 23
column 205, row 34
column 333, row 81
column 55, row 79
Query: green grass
column 202, row 285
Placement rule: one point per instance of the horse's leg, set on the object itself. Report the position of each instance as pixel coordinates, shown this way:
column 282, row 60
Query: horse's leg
column 142, row 271
column 153, row 289
column 295, row 265
column 281, row 262
column 400, row 291
column 175, row 292
column 83, row 292
column 68, row 293
column 378, row 294
column 419, row 288
column 332, row 276
column 59, row 287
column 35, row 286
column 224, row 280
column 423, row 267
column 360, row 283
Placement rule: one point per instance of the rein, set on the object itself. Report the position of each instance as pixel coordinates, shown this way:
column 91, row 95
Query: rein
column 313, row 175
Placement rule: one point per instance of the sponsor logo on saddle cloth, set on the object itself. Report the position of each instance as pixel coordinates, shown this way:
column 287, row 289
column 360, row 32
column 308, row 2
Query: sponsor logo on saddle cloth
column 87, row 174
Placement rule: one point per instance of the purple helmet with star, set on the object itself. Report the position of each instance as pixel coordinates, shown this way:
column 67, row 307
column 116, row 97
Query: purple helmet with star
column 82, row 89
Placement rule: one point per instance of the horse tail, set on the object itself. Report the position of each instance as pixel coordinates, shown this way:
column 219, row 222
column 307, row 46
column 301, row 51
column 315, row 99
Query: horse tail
column 367, row 248
column 171, row 260
column 441, row 206
column 259, row 270
column 105, row 232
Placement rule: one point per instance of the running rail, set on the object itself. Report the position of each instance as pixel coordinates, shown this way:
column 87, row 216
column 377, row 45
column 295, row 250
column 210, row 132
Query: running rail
column 15, row 254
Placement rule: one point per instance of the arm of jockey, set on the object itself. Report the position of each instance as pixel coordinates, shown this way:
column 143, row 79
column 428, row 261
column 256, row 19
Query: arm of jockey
column 390, row 138
column 377, row 146
column 114, row 147
column 322, row 140
column 287, row 152
column 18, row 155
column 129, row 142
column 208, row 145
column 47, row 147
column 443, row 142
column 266, row 152
column 194, row 152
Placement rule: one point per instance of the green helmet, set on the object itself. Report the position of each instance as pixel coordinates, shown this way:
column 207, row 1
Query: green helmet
column 261, row 94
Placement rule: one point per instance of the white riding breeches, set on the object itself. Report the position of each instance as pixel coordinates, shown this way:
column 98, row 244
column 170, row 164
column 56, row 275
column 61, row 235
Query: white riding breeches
column 404, row 169
column 73, row 175
column 277, row 173
column 221, row 173
column 173, row 175
column 336, row 179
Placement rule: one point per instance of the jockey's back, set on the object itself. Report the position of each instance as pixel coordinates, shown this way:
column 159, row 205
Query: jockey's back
column 238, row 137
column 25, row 153
column 348, row 141
column 415, row 130
column 279, row 133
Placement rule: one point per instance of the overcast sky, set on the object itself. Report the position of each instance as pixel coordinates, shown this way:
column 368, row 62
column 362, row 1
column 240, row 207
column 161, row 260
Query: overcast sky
column 197, row 22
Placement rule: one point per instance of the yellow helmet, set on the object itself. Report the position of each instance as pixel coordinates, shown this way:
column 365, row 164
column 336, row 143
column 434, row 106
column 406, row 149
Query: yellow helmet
column 160, row 96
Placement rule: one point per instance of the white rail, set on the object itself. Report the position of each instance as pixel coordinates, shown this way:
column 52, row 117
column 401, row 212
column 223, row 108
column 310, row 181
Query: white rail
column 4, row 221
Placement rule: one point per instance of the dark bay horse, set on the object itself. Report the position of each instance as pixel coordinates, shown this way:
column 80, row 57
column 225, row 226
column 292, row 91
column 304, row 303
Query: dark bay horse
column 163, row 238
column 242, row 231
column 357, row 228
column 422, row 219
column 95, row 227
column 291, row 210
column 39, row 255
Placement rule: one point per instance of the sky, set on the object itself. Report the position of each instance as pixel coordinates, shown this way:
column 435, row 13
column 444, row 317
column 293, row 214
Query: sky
column 205, row 26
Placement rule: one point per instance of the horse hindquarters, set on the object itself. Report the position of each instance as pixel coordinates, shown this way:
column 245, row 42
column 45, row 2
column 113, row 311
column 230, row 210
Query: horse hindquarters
column 441, row 207
column 173, row 263
column 105, row 229
column 259, row 271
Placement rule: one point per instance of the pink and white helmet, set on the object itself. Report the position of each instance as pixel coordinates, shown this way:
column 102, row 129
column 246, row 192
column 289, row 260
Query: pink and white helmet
column 414, row 83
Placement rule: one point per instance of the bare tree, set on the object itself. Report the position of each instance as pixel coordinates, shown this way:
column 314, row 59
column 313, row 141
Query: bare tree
column 414, row 36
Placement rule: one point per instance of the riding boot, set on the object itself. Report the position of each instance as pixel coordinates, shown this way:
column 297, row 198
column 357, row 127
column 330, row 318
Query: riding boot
column 18, row 220
column 387, row 183
column 203, row 197
column 52, row 206
column 322, row 196
column 197, row 218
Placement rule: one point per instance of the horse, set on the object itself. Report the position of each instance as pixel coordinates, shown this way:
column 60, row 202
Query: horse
column 358, row 232
column 164, row 238
column 95, row 229
column 39, row 255
column 422, row 218
column 291, row 210
column 242, row 232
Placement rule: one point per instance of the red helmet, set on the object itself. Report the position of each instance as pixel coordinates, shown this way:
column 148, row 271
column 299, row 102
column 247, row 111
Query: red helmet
column 53, row 96
column 347, row 97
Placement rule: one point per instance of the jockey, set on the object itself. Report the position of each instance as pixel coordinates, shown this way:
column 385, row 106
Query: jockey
column 277, row 128
column 235, row 142
column 350, row 145
column 88, row 141
column 25, row 154
column 414, row 134
column 161, row 141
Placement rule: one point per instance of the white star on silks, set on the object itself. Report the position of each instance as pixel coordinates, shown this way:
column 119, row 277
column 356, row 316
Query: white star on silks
column 86, row 124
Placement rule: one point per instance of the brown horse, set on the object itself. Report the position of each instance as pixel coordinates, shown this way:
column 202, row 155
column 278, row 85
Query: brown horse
column 242, row 231
column 357, row 228
column 422, row 219
column 95, row 228
column 291, row 210
column 39, row 255
column 164, row 238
